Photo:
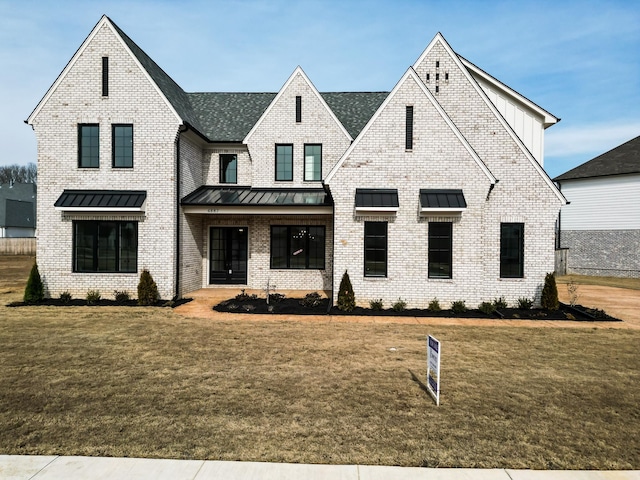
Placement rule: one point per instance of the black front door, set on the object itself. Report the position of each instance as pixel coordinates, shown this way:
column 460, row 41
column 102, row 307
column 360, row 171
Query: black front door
column 228, row 255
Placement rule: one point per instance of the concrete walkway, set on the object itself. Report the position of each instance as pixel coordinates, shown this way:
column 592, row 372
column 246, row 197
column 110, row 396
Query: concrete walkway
column 16, row 467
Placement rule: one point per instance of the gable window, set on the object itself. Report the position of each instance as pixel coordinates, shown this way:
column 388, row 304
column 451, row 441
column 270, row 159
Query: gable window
column 228, row 168
column 105, row 76
column 297, row 247
column 408, row 142
column 312, row 162
column 122, row 139
column 440, row 248
column 511, row 250
column 105, row 246
column 298, row 109
column 89, row 145
column 375, row 249
column 284, row 162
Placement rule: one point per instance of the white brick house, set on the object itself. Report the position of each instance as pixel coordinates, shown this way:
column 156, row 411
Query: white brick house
column 431, row 190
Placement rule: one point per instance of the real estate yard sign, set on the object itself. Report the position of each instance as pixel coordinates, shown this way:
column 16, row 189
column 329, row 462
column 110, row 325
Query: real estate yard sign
column 433, row 368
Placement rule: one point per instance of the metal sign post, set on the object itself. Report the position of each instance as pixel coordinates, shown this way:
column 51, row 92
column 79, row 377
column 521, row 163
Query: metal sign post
column 433, row 368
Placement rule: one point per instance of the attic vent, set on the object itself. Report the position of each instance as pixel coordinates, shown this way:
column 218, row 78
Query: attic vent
column 298, row 109
column 408, row 142
column 105, row 76
column 437, row 63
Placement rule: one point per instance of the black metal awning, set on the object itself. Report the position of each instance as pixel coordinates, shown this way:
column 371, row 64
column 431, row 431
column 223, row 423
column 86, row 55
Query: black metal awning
column 377, row 200
column 102, row 200
column 442, row 201
column 245, row 200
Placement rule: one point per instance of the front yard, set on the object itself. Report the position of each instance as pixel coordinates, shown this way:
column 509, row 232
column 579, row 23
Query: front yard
column 146, row 382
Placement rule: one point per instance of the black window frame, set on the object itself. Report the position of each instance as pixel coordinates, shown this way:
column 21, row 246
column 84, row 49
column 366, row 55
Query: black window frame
column 282, row 244
column 408, row 135
column 117, row 148
column 373, row 247
column 224, row 170
column 305, row 163
column 105, row 76
column 92, row 229
column 298, row 109
column 512, row 250
column 440, row 250
column 283, row 145
column 92, row 160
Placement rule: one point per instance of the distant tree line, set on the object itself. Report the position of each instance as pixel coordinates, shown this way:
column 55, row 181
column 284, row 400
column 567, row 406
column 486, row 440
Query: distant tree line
column 19, row 173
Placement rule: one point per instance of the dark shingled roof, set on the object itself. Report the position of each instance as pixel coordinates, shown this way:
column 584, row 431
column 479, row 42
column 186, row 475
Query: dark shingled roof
column 623, row 159
column 228, row 117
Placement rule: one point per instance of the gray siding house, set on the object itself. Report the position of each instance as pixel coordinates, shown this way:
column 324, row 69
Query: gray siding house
column 434, row 189
column 601, row 225
column 17, row 210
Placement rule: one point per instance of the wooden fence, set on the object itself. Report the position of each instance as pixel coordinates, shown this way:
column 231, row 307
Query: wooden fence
column 18, row 246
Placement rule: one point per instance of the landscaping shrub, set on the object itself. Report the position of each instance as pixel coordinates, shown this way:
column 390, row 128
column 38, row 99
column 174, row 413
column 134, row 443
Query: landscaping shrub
column 147, row 289
column 65, row 297
column 346, row 297
column 525, row 303
column 549, row 298
column 243, row 296
column 311, row 300
column 458, row 306
column 276, row 297
column 376, row 304
column 34, row 291
column 121, row 297
column 487, row 307
column 399, row 306
column 572, row 290
column 93, row 296
column 434, row 305
column 499, row 303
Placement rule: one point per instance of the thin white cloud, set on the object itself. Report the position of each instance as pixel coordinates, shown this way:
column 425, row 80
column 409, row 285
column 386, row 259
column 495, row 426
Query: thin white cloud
column 592, row 139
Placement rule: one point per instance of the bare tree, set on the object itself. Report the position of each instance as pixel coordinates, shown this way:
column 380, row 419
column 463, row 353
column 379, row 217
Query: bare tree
column 19, row 173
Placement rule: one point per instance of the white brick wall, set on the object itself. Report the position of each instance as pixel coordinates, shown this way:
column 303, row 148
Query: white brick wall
column 132, row 99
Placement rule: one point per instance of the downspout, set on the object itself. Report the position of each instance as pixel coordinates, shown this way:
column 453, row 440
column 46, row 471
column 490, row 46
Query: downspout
column 177, row 278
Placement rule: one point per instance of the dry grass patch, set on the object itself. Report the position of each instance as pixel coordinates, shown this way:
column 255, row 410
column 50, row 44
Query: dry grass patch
column 630, row 283
column 145, row 382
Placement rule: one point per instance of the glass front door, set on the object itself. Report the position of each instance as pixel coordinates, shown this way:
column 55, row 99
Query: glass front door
column 228, row 255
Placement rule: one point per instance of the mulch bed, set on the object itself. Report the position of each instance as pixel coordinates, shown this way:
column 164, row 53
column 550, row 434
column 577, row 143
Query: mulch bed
column 294, row 306
column 78, row 302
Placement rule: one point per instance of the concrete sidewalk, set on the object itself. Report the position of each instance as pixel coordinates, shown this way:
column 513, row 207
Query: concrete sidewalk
column 18, row 467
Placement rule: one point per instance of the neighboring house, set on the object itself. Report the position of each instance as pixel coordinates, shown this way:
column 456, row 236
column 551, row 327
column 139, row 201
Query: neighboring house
column 17, row 210
column 601, row 225
column 435, row 189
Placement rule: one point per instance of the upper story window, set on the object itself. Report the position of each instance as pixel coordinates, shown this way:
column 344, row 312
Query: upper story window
column 375, row 249
column 105, row 76
column 228, row 168
column 440, row 248
column 122, row 152
column 408, row 140
column 312, row 162
column 511, row 250
column 298, row 109
column 284, row 162
column 89, row 145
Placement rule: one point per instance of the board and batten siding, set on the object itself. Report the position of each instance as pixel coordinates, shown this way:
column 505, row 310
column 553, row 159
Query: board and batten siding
column 603, row 203
column 525, row 124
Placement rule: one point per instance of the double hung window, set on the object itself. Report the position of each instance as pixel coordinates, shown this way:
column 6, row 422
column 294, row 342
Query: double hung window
column 312, row 162
column 284, row 162
column 122, row 146
column 89, row 145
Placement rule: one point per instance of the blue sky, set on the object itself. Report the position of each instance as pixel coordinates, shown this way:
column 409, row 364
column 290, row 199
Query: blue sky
column 578, row 59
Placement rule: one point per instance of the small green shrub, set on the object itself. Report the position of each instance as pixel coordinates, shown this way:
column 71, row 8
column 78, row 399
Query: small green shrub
column 376, row 305
column 499, row 303
column 248, row 308
column 458, row 306
column 65, row 297
column 34, row 291
column 147, row 289
column 399, row 306
column 93, row 297
column 549, row 298
column 121, row 297
column 276, row 297
column 434, row 305
column 346, row 297
column 525, row 303
column 311, row 300
column 487, row 308
column 242, row 296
